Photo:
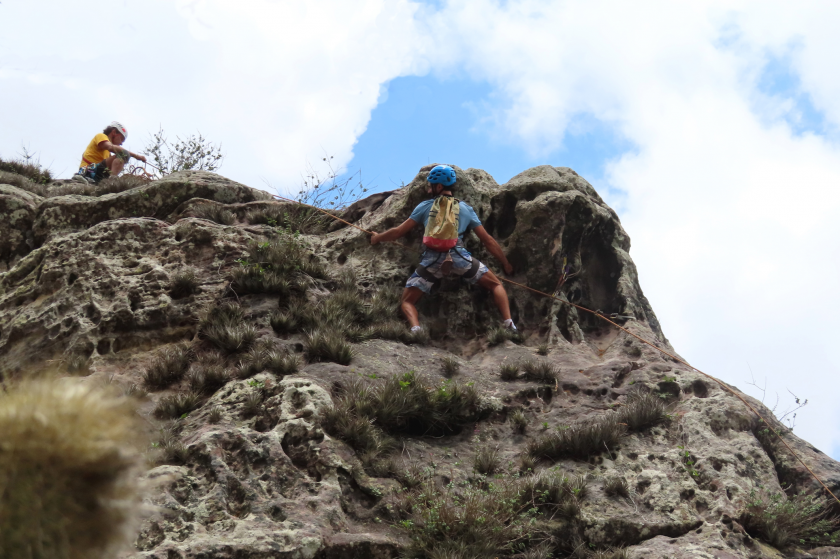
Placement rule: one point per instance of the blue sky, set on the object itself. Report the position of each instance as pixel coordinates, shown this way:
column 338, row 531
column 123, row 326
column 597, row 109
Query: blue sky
column 425, row 119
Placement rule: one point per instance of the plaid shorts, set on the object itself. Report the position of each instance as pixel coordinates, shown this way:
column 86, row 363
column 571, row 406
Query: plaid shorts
column 462, row 262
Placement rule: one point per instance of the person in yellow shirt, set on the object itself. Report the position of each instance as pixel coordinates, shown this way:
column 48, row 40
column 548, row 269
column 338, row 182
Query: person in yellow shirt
column 104, row 157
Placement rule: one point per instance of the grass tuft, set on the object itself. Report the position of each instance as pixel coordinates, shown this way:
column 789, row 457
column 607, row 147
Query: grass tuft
column 641, row 410
column 214, row 212
column 782, row 521
column 450, row 366
column 518, row 421
column 579, row 440
column 167, row 367
column 500, row 335
column 509, row 371
column 486, row 460
column 327, row 345
column 616, row 486
column 225, row 327
column 183, row 284
column 215, row 415
column 252, row 404
column 540, row 371
column 543, row 349
column 70, row 465
column 177, row 405
column 284, row 322
column 32, row 171
column 208, row 374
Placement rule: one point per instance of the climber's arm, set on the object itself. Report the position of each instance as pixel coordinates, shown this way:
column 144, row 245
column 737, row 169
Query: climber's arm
column 120, row 151
column 494, row 248
column 394, row 233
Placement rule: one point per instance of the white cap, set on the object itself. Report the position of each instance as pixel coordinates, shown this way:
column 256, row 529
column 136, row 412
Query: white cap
column 120, row 128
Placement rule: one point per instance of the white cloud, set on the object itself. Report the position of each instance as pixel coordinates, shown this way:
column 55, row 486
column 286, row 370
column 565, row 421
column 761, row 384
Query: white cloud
column 732, row 214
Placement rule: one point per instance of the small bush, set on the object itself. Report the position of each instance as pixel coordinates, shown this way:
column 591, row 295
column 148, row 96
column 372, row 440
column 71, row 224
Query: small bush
column 641, row 410
column 540, row 371
column 176, row 405
column 551, row 489
column 486, row 460
column 224, row 327
column 256, row 279
column 167, row 367
column 543, row 349
column 194, row 152
column 578, row 441
column 183, row 284
column 450, row 366
column 518, row 421
column 527, row 463
column 781, row 520
column 214, row 212
column 291, row 217
column 616, row 486
column 327, row 345
column 509, row 371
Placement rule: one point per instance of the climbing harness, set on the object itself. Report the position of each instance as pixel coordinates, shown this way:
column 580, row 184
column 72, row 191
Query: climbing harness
column 610, row 320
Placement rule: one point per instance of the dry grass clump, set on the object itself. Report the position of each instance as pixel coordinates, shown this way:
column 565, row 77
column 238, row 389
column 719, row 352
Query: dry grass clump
column 183, row 284
column 31, row 171
column 23, row 183
column 208, row 374
column 214, row 212
column 540, row 371
column 518, row 421
column 70, row 460
column 781, row 520
column 579, row 440
column 177, row 405
column 366, row 412
column 215, row 415
column 279, row 266
column 498, row 335
column 543, row 349
column 291, row 217
column 641, row 410
column 486, row 460
column 284, row 322
column 553, row 490
column 171, row 449
column 327, row 345
column 252, row 404
column 124, row 182
column 167, row 367
column 266, row 356
column 225, row 327
column 616, row 486
column 509, row 371
column 191, row 231
column 450, row 366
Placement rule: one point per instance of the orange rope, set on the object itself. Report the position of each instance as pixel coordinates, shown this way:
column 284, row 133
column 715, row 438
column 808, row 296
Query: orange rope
column 598, row 314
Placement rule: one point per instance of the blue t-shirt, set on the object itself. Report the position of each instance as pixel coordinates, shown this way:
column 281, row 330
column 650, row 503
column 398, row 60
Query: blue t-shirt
column 467, row 218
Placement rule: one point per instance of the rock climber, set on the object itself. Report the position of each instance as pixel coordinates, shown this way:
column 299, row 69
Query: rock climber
column 104, row 157
column 454, row 220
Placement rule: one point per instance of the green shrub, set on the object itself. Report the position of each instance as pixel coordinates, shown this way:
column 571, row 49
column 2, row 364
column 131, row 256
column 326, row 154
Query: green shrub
column 782, row 521
column 167, row 367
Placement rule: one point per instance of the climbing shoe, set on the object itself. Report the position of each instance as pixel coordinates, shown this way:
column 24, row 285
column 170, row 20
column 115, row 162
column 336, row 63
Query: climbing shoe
column 509, row 325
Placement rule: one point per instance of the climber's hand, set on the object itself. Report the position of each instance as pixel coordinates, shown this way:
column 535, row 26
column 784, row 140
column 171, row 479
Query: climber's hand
column 508, row 269
column 376, row 238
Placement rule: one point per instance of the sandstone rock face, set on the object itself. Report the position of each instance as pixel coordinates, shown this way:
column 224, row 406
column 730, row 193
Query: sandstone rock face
column 250, row 470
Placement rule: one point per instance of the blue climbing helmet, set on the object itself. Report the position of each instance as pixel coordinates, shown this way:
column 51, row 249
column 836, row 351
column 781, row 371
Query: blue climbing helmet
column 442, row 174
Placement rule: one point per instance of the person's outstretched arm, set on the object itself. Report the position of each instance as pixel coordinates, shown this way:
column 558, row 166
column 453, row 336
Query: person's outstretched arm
column 394, row 233
column 493, row 247
column 121, row 151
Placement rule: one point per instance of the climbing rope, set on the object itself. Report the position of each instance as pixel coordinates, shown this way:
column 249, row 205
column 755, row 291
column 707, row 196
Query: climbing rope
column 602, row 316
